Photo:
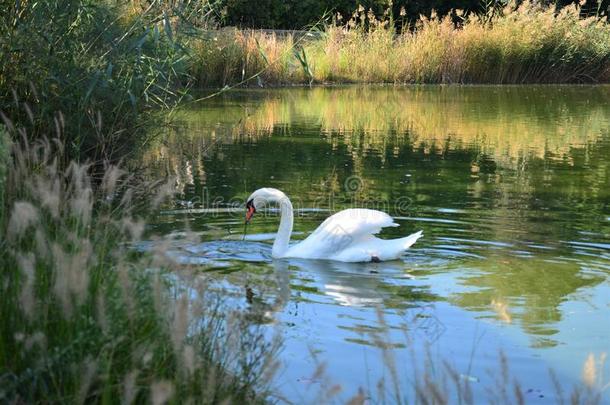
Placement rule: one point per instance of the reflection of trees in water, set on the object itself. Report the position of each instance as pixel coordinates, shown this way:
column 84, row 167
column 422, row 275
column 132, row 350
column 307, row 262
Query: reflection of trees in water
column 506, row 122
column 513, row 127
column 526, row 289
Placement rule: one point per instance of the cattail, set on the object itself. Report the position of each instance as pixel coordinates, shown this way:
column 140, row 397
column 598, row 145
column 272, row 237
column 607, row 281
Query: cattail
column 78, row 270
column 61, row 284
column 42, row 245
column 158, row 298
column 102, row 318
column 36, row 339
column 87, row 376
column 49, row 193
column 165, row 191
column 110, row 180
column 126, row 288
column 180, row 323
column 134, row 228
column 188, row 359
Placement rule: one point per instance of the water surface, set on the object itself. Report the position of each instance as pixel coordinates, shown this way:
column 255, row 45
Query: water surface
column 510, row 185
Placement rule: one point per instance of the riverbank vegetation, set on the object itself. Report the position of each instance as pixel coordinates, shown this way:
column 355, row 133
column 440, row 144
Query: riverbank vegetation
column 95, row 71
column 87, row 317
column 528, row 43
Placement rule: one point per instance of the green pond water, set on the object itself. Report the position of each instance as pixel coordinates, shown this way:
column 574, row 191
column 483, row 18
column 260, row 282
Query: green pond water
column 511, row 186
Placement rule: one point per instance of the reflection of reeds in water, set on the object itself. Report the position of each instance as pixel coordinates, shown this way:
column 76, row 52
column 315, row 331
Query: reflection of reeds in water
column 504, row 123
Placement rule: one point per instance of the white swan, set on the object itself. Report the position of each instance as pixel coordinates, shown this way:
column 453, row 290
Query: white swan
column 347, row 236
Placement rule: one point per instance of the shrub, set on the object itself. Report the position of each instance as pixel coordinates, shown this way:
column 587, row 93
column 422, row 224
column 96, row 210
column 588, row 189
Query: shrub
column 94, row 69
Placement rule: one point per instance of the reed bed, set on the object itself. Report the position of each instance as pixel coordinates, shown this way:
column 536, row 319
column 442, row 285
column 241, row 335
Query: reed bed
column 227, row 57
column 528, row 43
column 100, row 70
column 85, row 317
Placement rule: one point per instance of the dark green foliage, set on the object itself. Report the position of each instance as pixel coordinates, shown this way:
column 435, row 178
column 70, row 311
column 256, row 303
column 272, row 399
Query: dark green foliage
column 4, row 161
column 89, row 67
column 298, row 14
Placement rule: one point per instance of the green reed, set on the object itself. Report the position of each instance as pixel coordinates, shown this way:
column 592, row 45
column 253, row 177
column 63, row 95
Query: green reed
column 86, row 317
column 97, row 71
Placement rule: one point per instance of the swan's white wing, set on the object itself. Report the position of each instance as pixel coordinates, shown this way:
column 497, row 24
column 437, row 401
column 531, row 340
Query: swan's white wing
column 356, row 222
column 340, row 231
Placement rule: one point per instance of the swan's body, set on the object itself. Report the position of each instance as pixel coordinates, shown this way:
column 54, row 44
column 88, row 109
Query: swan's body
column 347, row 236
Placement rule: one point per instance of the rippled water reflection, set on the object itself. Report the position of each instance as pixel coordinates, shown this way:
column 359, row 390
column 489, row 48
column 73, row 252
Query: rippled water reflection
column 510, row 185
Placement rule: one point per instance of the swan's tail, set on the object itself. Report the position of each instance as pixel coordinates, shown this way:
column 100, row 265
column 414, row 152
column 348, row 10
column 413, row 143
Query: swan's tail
column 407, row 241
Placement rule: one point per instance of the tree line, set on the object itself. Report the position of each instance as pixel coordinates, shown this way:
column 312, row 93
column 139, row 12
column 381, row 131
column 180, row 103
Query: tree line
column 302, row 14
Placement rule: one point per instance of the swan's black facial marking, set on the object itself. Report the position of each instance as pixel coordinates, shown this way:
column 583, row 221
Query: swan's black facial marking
column 250, row 210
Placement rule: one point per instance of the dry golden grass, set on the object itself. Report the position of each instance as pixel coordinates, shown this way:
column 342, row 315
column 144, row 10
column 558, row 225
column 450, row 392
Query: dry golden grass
column 229, row 56
column 528, row 43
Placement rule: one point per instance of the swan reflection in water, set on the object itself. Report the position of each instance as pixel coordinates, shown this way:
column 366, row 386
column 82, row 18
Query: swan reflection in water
column 360, row 302
column 386, row 284
column 347, row 284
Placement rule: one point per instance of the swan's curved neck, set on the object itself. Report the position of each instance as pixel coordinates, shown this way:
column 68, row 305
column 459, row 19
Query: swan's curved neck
column 282, row 239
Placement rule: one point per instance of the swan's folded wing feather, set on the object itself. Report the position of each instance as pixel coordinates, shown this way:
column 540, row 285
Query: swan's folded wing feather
column 341, row 230
column 356, row 222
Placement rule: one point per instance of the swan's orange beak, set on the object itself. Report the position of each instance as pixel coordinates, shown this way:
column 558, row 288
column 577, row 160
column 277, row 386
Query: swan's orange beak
column 250, row 210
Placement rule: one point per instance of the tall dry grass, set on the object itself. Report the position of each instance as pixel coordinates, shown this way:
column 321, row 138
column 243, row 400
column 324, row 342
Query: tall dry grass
column 227, row 57
column 84, row 317
column 525, row 43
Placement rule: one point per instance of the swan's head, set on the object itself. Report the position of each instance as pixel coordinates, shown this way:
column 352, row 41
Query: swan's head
column 262, row 197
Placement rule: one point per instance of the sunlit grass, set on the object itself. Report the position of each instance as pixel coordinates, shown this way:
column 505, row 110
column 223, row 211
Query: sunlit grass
column 228, row 57
column 529, row 43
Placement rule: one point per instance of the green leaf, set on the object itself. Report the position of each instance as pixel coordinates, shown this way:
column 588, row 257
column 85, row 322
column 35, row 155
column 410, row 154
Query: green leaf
column 260, row 49
column 109, row 69
column 168, row 27
column 92, row 85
